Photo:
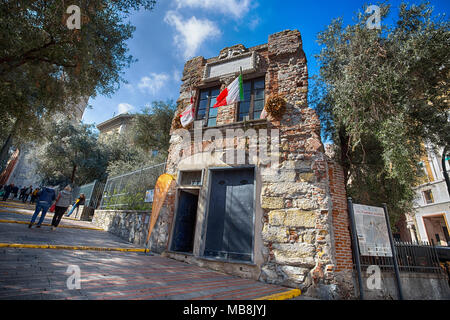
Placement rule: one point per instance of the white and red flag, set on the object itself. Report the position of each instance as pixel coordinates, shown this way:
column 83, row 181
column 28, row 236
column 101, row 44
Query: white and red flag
column 231, row 94
column 188, row 115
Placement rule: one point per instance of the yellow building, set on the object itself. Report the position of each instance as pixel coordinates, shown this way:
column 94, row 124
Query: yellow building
column 119, row 124
column 432, row 204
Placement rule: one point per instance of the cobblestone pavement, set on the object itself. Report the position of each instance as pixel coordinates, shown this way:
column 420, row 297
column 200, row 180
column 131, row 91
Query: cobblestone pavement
column 52, row 273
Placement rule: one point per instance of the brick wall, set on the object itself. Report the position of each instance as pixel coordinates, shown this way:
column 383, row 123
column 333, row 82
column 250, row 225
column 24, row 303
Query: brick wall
column 341, row 230
column 340, row 218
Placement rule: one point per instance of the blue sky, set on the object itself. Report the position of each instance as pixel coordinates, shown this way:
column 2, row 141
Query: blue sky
column 177, row 30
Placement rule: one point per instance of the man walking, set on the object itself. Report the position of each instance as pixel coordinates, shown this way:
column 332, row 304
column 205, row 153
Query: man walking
column 14, row 191
column 79, row 202
column 45, row 200
column 22, row 192
column 8, row 190
column 28, row 192
column 34, row 195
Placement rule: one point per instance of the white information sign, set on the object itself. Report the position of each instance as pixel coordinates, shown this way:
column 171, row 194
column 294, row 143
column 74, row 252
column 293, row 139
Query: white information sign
column 149, row 195
column 372, row 231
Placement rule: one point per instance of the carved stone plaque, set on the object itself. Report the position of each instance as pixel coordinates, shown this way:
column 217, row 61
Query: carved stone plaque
column 232, row 65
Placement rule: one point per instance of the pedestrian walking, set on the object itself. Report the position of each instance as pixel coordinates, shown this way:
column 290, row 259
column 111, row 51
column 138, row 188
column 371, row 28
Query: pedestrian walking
column 8, row 190
column 62, row 203
column 14, row 191
column 28, row 191
column 34, row 195
column 79, row 202
column 22, row 192
column 45, row 200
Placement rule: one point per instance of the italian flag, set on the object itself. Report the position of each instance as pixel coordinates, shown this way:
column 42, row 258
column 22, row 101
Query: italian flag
column 231, row 94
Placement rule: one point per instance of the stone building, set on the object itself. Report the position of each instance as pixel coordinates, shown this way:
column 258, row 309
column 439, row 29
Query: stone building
column 118, row 124
column 430, row 220
column 281, row 221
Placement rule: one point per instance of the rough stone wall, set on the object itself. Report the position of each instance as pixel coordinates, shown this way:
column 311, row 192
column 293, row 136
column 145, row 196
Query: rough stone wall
column 297, row 228
column 226, row 115
column 129, row 225
column 132, row 226
column 298, row 231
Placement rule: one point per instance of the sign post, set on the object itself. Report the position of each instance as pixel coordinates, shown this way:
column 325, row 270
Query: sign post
column 372, row 236
column 394, row 254
column 355, row 247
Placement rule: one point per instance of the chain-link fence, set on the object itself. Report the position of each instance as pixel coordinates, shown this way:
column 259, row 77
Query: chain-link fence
column 127, row 191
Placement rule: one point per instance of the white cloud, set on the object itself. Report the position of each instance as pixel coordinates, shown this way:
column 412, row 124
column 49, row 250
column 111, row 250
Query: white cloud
column 191, row 33
column 130, row 88
column 177, row 75
column 153, row 83
column 254, row 23
column 124, row 108
column 235, row 8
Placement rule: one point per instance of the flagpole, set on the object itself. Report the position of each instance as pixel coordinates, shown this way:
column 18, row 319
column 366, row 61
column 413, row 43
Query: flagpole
column 242, row 79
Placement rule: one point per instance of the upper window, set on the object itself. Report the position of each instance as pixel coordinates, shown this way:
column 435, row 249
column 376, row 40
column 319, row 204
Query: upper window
column 253, row 103
column 428, row 195
column 205, row 109
column 250, row 107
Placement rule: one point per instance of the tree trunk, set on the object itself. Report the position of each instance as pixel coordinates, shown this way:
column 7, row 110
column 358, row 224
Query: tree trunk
column 72, row 179
column 444, row 168
column 345, row 161
column 4, row 153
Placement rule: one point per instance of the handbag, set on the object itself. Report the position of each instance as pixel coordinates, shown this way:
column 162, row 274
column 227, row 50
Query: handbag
column 53, row 207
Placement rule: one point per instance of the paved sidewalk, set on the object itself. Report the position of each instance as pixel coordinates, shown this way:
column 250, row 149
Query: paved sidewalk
column 36, row 273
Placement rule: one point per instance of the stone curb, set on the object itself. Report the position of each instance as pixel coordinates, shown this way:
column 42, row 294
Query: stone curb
column 283, row 295
column 65, row 247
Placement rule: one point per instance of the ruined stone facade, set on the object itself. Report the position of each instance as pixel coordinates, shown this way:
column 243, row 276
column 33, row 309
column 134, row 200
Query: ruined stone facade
column 297, row 228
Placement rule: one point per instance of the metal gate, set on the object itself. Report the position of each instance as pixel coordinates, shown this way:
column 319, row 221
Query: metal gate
column 92, row 191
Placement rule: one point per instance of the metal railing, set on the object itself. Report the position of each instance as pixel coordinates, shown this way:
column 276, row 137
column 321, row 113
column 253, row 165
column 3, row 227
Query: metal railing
column 411, row 257
column 127, row 191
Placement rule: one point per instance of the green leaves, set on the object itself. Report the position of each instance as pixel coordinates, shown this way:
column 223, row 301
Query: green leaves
column 151, row 129
column 381, row 95
column 69, row 148
column 45, row 66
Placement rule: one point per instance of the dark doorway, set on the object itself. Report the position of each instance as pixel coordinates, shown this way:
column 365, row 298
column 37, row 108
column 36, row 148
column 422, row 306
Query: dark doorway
column 185, row 220
column 229, row 233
